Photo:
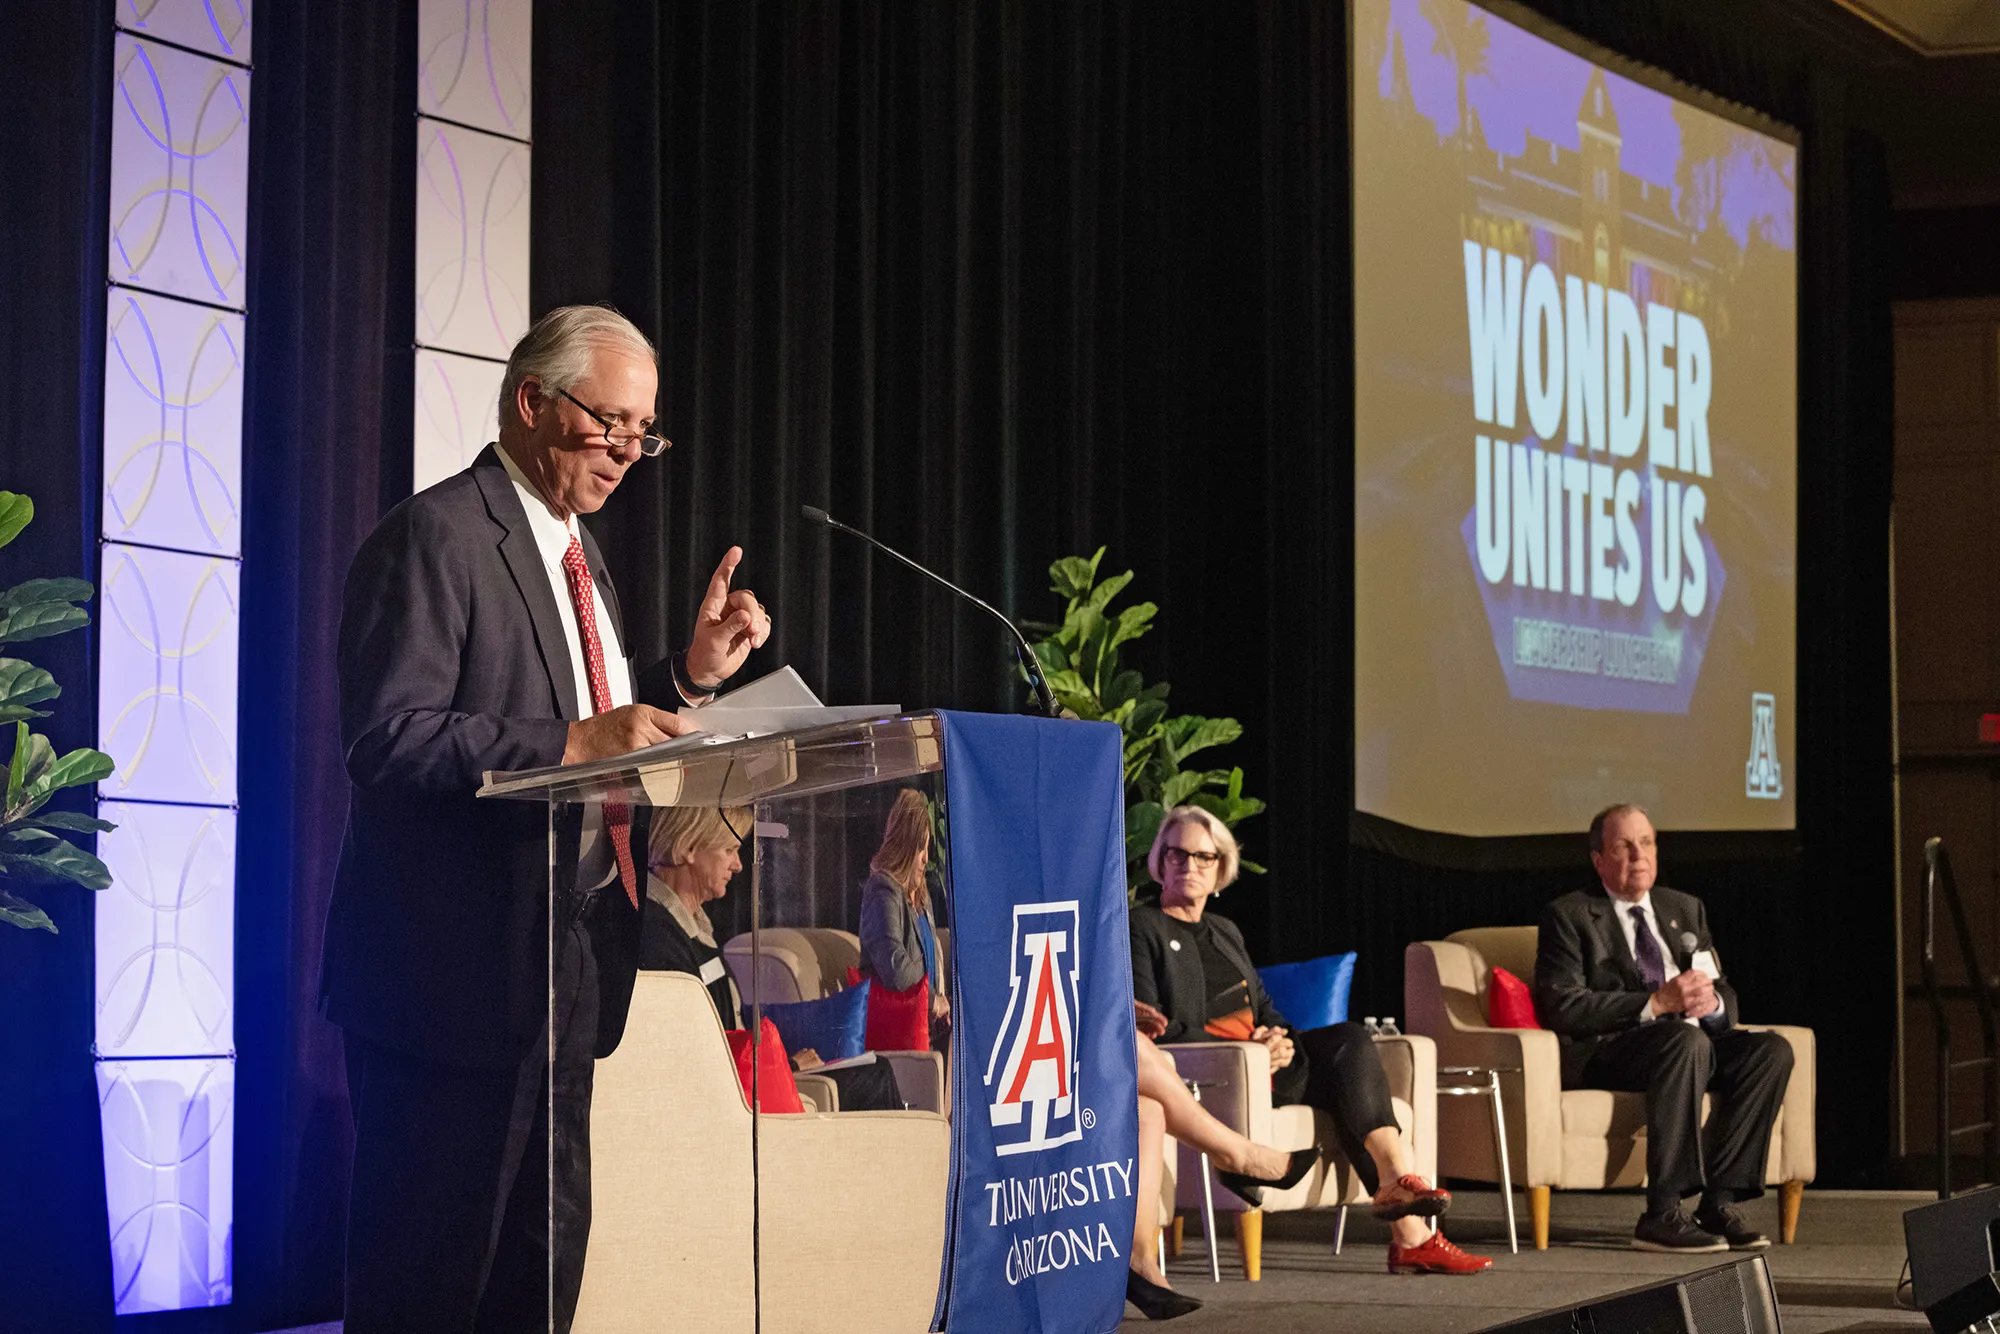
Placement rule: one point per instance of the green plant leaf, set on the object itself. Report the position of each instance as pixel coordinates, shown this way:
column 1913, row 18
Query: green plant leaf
column 45, row 590
column 1179, row 788
column 80, row 766
column 27, row 833
column 1072, row 576
column 1133, row 622
column 16, row 911
column 22, row 684
column 1125, row 686
column 1204, row 734
column 17, row 768
column 15, row 511
column 1109, row 589
column 70, row 820
column 1142, row 826
column 39, row 620
column 1254, row 868
column 65, row 861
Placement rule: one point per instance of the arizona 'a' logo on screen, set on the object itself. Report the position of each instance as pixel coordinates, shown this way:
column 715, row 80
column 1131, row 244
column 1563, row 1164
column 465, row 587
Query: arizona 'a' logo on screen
column 1031, row 1075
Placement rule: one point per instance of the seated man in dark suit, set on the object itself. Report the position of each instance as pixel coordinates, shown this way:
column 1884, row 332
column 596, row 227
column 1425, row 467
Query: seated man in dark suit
column 1626, row 977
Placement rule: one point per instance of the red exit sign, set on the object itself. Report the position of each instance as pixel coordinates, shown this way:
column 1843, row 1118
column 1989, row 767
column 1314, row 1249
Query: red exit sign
column 1989, row 728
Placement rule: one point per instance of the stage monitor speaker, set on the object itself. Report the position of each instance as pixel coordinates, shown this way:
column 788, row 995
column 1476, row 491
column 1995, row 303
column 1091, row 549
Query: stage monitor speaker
column 1951, row 1244
column 1735, row 1298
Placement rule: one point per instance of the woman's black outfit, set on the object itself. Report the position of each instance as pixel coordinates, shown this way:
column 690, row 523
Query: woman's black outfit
column 666, row 946
column 1193, row 972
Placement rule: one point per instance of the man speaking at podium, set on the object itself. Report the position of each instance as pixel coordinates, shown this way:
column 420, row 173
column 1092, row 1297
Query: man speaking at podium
column 480, row 632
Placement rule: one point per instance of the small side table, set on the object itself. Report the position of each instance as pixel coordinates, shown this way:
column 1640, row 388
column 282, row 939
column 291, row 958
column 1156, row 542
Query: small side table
column 1484, row 1082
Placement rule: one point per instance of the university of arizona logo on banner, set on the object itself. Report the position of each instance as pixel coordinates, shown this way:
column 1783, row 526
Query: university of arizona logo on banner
column 1044, row 1125
column 1031, row 1077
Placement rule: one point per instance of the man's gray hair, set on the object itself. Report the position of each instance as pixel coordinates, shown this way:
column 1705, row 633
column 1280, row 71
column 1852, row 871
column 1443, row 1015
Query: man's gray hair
column 558, row 347
column 1597, row 821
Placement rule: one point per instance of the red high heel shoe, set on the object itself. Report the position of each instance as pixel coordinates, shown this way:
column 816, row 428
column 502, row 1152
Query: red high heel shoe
column 1426, row 1200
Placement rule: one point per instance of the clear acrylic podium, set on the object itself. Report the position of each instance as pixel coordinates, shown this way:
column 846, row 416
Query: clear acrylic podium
column 715, row 1204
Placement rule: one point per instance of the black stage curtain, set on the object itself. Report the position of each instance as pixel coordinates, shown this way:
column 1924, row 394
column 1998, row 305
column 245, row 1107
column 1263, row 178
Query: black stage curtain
column 1004, row 281
column 55, row 101
column 326, row 413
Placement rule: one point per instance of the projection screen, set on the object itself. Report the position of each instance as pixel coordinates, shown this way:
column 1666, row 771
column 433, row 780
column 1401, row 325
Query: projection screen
column 1575, row 305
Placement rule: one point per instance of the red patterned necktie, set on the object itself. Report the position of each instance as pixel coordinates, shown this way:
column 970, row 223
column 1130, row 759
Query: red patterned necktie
column 617, row 816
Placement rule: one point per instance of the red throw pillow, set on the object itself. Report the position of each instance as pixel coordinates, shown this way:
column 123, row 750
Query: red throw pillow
column 897, row 1020
column 774, row 1070
column 1509, row 1003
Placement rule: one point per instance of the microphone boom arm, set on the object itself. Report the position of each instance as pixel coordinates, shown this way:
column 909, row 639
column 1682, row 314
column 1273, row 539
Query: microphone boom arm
column 1029, row 664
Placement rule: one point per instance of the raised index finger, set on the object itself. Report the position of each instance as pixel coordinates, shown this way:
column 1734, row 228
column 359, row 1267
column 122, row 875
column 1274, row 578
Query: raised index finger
column 718, row 584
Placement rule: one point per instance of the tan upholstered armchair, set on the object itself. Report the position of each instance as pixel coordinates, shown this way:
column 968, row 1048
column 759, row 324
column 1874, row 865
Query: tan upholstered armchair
column 853, row 1205
column 1583, row 1139
column 802, row 963
column 1240, row 1097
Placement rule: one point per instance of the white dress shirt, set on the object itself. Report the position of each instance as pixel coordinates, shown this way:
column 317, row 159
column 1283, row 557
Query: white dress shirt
column 552, row 538
column 1631, row 930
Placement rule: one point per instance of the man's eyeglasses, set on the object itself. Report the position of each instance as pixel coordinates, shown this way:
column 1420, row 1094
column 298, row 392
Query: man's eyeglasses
column 624, row 437
column 1181, row 857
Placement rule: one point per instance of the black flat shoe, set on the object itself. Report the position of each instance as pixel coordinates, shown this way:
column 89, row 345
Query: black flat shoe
column 1155, row 1302
column 1252, row 1188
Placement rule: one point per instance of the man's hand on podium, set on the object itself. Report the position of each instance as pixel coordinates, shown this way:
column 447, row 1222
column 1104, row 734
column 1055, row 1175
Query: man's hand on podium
column 620, row 731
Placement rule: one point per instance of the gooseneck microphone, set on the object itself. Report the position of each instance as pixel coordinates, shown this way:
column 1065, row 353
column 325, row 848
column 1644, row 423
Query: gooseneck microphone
column 1033, row 668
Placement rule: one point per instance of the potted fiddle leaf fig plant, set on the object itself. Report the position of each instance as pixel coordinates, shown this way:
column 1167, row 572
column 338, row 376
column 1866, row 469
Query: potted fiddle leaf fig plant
column 1079, row 659
column 33, row 846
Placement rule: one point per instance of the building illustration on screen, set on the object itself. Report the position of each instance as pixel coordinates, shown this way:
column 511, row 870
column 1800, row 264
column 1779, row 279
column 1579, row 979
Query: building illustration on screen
column 1575, row 425
column 1597, row 295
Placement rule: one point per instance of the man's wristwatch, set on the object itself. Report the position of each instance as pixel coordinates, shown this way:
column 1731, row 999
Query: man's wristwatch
column 686, row 683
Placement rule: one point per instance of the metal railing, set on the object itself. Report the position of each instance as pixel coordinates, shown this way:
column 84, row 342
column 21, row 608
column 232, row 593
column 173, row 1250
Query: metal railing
column 1938, row 880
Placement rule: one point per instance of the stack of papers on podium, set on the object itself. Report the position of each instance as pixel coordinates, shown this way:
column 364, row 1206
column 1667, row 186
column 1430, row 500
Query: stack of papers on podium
column 777, row 702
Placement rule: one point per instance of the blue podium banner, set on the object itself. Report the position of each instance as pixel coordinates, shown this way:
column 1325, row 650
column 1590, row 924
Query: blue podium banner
column 1044, row 1090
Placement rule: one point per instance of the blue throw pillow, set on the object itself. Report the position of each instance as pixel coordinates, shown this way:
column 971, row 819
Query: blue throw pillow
column 835, row 1026
column 1312, row 994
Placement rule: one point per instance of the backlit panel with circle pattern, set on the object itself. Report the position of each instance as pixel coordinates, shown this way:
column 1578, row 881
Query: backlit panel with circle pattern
column 166, row 935
column 473, row 62
column 456, row 412
column 167, row 675
column 169, row 1131
column 166, row 621
column 173, row 424
column 472, row 240
column 220, row 27
column 180, row 147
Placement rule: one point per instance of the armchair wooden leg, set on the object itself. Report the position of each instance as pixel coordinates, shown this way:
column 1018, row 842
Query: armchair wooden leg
column 1538, row 1213
column 1177, row 1237
column 1790, row 1196
column 1250, row 1242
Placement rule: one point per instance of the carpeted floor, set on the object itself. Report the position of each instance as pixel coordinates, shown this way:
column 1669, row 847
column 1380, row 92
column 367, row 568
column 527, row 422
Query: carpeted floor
column 1840, row 1276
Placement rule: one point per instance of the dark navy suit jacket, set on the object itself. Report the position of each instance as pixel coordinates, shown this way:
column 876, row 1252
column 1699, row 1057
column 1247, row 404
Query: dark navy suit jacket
column 1587, row 984
column 452, row 663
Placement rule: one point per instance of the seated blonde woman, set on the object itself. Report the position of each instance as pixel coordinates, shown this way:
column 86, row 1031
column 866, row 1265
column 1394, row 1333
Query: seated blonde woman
column 1193, row 980
column 693, row 854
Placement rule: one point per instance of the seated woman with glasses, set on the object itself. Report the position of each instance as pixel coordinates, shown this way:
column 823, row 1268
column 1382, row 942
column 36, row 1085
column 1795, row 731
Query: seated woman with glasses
column 1193, row 981
column 692, row 855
